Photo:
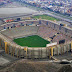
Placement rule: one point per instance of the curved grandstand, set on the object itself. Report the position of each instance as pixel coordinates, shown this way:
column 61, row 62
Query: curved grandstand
column 60, row 38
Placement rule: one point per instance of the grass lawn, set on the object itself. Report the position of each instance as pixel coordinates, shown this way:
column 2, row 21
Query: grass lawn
column 32, row 41
column 45, row 17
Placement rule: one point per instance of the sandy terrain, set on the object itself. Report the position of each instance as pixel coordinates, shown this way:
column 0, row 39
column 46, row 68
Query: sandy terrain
column 15, row 9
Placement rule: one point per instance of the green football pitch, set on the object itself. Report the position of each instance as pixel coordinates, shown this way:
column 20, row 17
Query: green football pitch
column 31, row 41
column 45, row 17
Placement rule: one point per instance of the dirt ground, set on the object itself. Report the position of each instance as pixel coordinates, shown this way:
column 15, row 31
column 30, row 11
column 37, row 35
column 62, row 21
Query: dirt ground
column 36, row 66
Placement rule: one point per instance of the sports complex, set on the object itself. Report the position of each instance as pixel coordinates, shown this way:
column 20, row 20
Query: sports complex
column 35, row 38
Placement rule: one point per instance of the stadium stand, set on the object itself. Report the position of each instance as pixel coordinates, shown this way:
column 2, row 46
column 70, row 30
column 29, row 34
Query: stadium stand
column 20, row 31
column 47, row 29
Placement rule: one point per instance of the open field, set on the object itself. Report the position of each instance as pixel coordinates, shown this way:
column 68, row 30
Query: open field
column 32, row 41
column 45, row 17
column 15, row 11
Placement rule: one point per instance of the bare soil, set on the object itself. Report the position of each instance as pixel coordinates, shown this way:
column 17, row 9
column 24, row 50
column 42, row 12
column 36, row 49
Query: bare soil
column 35, row 66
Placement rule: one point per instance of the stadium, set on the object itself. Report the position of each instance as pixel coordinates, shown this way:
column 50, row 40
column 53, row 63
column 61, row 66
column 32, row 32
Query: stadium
column 37, row 38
